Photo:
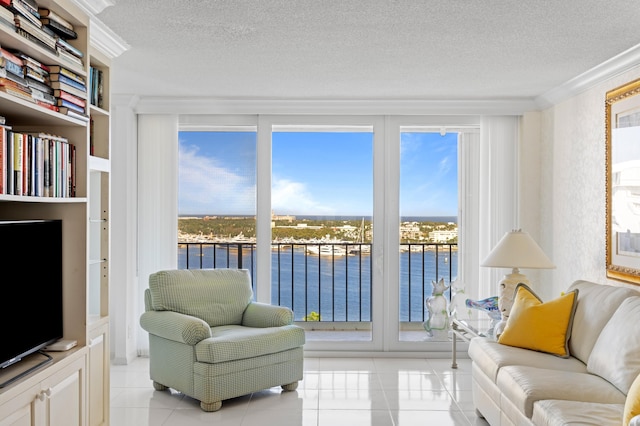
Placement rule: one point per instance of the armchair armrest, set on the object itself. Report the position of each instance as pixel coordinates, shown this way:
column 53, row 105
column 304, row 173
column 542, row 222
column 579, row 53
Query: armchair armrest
column 265, row 315
column 175, row 326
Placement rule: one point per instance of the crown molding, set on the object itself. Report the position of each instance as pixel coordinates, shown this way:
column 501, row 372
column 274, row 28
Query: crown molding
column 617, row 65
column 93, row 7
column 105, row 40
column 102, row 37
column 204, row 105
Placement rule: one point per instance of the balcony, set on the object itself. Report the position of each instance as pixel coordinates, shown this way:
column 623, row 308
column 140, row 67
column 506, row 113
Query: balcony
column 328, row 285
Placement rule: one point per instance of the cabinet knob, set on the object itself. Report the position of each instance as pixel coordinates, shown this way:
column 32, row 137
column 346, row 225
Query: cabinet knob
column 44, row 394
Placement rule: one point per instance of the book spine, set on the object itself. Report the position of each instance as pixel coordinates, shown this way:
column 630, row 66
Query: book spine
column 66, row 80
column 61, row 71
column 48, row 13
column 10, row 156
column 65, row 103
column 3, row 161
column 17, row 164
column 69, row 97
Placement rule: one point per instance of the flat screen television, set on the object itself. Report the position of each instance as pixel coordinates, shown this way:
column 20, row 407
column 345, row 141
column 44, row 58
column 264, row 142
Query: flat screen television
column 31, row 290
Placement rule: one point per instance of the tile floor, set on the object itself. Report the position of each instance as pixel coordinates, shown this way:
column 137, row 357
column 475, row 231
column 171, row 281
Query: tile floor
column 333, row 392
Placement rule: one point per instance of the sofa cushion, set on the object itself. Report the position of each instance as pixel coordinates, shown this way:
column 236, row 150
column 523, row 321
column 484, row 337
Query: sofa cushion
column 539, row 326
column 490, row 356
column 596, row 304
column 523, row 386
column 218, row 296
column 233, row 342
column 615, row 354
column 553, row 412
column 632, row 404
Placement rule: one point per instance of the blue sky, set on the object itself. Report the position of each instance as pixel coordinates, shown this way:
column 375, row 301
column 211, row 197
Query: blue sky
column 313, row 174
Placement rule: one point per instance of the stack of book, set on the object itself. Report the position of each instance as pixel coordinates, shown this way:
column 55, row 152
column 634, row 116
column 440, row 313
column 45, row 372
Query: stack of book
column 96, row 87
column 28, row 24
column 12, row 80
column 70, row 89
column 6, row 15
column 37, row 75
column 37, row 164
column 64, row 32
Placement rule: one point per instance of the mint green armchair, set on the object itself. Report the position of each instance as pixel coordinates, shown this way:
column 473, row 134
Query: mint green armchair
column 210, row 341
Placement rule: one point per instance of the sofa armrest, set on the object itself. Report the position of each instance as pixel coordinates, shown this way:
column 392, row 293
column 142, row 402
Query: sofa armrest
column 264, row 315
column 175, row 326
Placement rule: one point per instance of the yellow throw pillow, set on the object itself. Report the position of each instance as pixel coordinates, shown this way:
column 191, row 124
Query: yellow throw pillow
column 632, row 403
column 543, row 327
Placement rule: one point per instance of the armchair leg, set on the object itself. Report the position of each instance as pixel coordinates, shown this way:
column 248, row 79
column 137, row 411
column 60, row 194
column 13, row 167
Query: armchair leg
column 159, row 386
column 290, row 387
column 211, row 406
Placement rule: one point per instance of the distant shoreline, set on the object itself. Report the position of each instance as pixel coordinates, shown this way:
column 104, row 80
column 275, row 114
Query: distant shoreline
column 453, row 219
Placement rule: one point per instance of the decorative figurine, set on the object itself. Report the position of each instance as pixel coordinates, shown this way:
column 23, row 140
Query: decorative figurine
column 490, row 306
column 437, row 326
column 457, row 307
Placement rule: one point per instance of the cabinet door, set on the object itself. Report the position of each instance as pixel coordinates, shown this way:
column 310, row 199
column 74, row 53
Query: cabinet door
column 20, row 410
column 65, row 390
column 99, row 373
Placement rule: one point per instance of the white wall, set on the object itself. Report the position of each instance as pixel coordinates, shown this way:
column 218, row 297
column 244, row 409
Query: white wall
column 572, row 179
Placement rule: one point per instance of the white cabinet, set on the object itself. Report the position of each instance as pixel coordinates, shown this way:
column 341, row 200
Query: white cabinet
column 57, row 400
column 74, row 388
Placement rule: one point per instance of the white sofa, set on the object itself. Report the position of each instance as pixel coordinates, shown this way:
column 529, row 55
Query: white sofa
column 516, row 386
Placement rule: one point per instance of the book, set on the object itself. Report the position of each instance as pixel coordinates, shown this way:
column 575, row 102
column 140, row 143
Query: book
column 17, row 163
column 73, row 113
column 6, row 14
column 61, row 78
column 3, row 160
column 65, row 103
column 35, row 40
column 55, row 70
column 70, row 58
column 46, row 38
column 59, row 29
column 58, row 86
column 43, row 97
column 22, row 9
column 30, row 62
column 47, row 105
column 12, row 63
column 49, row 14
column 38, row 85
column 69, row 97
column 63, row 44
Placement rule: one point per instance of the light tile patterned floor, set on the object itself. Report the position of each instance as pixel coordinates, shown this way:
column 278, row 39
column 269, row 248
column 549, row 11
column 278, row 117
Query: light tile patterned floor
column 334, row 392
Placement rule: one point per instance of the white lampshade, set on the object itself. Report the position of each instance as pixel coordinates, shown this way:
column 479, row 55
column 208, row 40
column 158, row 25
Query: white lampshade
column 518, row 250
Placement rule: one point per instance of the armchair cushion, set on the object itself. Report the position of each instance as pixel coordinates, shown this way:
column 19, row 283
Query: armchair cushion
column 219, row 299
column 264, row 315
column 175, row 326
column 234, row 342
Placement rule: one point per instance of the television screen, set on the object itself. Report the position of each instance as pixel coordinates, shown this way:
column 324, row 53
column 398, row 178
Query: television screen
column 31, row 265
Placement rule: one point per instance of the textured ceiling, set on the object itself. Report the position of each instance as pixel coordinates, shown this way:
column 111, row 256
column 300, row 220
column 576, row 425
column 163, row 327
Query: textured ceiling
column 364, row 49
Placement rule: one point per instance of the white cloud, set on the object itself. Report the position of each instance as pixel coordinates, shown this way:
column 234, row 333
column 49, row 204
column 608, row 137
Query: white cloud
column 289, row 197
column 207, row 188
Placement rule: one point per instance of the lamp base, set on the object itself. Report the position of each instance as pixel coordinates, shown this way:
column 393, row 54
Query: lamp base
column 507, row 295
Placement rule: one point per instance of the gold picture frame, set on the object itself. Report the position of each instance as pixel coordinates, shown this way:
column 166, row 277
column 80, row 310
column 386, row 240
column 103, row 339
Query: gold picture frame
column 622, row 166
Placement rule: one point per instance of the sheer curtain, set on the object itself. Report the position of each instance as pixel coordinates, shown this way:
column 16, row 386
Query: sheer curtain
column 497, row 192
column 157, row 202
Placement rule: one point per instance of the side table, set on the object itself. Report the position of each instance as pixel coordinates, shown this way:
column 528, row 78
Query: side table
column 466, row 330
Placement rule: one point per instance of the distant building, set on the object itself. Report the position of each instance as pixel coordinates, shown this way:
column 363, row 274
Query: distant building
column 442, row 236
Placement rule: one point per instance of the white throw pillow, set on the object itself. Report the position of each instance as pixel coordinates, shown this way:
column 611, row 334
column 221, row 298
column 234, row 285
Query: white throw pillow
column 615, row 355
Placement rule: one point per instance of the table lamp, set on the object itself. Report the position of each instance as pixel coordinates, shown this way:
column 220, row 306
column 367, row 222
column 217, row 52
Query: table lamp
column 515, row 250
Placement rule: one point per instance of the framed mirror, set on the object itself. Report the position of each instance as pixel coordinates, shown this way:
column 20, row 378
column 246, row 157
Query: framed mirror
column 622, row 115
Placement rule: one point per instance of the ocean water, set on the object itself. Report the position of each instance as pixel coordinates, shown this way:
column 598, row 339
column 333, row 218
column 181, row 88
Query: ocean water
column 338, row 289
